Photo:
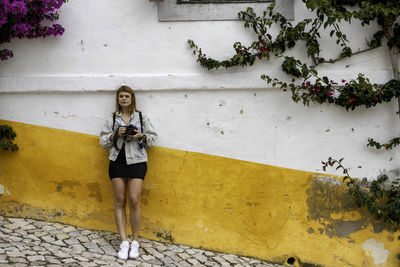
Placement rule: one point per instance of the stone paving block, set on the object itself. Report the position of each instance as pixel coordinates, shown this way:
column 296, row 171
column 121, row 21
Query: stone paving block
column 57, row 225
column 211, row 263
column 68, row 229
column 155, row 262
column 20, row 232
column 109, row 249
column 52, row 260
column 176, row 258
column 28, row 227
column 96, row 250
column 100, row 262
column 209, row 253
column 191, row 251
column 77, row 249
column 147, row 257
column 36, row 258
column 167, row 260
column 17, row 260
column 184, row 255
column 93, row 236
column 61, row 254
column 193, row 261
column 222, row 261
column 89, row 245
column 86, row 232
column 161, row 248
column 47, row 227
column 5, row 230
column 75, row 234
column 83, row 239
column 68, row 260
column 71, row 241
column 154, row 253
column 231, row 258
column 33, row 237
column 15, row 238
column 108, row 258
column 184, row 264
column 48, row 238
column 200, row 257
column 176, row 249
column 15, row 254
column 40, row 233
column 19, row 221
column 100, row 241
column 88, row 264
column 58, row 243
column 62, row 236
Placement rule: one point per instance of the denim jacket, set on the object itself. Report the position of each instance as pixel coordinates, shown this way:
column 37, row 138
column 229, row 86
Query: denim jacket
column 134, row 153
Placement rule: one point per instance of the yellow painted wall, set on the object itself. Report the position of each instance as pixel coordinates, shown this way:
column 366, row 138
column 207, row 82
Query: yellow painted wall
column 190, row 198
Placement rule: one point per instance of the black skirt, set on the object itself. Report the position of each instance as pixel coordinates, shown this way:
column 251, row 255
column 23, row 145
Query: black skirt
column 120, row 169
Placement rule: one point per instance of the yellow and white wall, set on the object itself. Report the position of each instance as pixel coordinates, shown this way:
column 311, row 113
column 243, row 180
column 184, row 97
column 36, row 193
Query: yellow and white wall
column 237, row 165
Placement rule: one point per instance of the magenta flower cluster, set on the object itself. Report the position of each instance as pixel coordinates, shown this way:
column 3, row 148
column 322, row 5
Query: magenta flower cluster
column 22, row 19
column 358, row 92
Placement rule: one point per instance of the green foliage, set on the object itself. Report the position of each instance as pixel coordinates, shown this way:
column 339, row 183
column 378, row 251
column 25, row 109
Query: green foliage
column 381, row 197
column 307, row 86
column 389, row 145
column 7, row 136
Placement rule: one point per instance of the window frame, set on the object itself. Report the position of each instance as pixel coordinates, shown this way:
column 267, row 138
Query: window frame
column 169, row 10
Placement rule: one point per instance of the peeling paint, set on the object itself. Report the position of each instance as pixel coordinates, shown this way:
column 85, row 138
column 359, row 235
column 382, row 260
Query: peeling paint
column 67, row 187
column 376, row 251
column 330, row 205
column 165, row 235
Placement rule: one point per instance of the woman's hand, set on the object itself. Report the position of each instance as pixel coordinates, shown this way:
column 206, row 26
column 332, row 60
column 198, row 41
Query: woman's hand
column 137, row 136
column 121, row 131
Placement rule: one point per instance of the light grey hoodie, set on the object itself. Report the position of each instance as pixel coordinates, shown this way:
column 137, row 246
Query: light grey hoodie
column 134, row 154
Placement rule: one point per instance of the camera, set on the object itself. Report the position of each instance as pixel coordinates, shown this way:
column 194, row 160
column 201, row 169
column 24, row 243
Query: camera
column 131, row 130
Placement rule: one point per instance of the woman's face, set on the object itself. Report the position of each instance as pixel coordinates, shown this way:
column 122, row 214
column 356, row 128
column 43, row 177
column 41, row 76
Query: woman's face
column 124, row 99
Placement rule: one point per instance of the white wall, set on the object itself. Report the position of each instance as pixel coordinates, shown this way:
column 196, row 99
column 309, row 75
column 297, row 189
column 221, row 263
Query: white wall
column 67, row 83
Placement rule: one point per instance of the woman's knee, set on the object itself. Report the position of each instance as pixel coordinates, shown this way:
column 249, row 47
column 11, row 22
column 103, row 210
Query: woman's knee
column 134, row 201
column 120, row 201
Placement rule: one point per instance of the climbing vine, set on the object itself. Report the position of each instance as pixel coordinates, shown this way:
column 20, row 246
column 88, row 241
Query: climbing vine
column 381, row 197
column 307, row 85
column 7, row 136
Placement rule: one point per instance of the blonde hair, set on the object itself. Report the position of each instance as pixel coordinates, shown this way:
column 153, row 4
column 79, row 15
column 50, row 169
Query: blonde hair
column 132, row 107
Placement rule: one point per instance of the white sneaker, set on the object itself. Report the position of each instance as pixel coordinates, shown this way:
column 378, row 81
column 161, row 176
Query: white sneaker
column 123, row 250
column 134, row 253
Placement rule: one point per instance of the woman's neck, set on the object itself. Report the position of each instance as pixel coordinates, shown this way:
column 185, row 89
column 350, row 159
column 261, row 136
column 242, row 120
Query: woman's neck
column 126, row 111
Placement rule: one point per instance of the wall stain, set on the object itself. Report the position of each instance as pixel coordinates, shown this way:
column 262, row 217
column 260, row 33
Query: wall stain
column 95, row 191
column 327, row 198
column 254, row 204
column 67, row 188
column 17, row 209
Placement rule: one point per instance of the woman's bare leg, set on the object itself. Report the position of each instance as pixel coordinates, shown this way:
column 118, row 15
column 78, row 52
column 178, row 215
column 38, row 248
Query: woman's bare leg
column 119, row 187
column 134, row 191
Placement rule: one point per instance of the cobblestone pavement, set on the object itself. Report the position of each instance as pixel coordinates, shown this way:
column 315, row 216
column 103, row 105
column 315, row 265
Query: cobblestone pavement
column 26, row 242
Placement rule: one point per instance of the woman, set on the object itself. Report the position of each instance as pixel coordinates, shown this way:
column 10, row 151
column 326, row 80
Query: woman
column 126, row 134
